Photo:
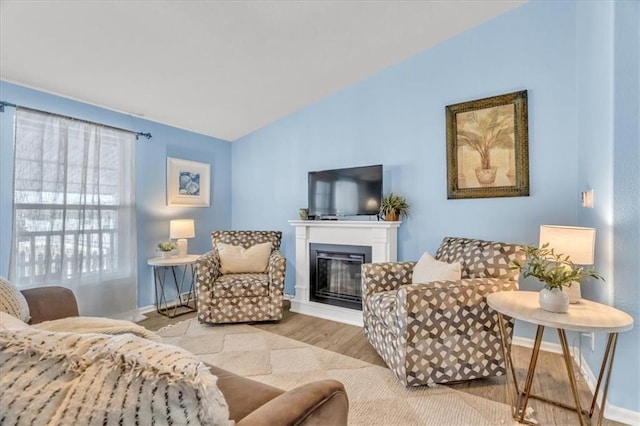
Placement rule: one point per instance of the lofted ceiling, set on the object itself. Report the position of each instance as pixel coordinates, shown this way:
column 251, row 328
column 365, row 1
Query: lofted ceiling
column 220, row 68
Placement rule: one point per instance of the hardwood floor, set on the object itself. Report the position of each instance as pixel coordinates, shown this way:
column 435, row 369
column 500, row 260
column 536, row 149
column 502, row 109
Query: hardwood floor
column 550, row 381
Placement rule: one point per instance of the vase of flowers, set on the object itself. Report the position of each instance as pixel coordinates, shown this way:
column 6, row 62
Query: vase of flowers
column 165, row 248
column 556, row 272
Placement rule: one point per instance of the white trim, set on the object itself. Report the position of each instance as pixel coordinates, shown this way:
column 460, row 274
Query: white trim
column 328, row 312
column 612, row 412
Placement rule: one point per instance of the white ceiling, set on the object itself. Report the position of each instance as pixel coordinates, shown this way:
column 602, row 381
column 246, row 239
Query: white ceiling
column 220, row 68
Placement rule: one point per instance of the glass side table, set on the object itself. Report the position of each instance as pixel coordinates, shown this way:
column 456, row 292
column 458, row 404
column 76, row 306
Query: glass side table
column 584, row 316
column 176, row 269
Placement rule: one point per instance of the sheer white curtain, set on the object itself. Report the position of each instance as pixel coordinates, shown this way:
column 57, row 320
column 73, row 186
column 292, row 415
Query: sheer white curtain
column 74, row 211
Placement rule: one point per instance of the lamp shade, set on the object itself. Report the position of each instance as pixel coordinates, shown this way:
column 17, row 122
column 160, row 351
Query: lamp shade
column 573, row 241
column 182, row 228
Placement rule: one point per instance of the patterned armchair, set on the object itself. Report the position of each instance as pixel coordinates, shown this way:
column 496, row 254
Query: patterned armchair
column 440, row 331
column 240, row 297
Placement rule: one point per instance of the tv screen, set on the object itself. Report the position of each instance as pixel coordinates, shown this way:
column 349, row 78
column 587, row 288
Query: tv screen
column 345, row 192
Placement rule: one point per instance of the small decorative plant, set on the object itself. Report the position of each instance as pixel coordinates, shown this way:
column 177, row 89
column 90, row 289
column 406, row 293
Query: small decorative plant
column 167, row 246
column 394, row 206
column 554, row 270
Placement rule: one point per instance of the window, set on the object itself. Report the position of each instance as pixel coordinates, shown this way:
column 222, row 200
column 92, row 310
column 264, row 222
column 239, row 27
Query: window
column 74, row 206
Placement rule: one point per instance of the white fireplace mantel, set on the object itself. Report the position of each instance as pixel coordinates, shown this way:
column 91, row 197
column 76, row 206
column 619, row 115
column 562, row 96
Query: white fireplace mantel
column 380, row 236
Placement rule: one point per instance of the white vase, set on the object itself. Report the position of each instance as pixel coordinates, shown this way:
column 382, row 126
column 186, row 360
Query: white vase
column 554, row 300
column 165, row 254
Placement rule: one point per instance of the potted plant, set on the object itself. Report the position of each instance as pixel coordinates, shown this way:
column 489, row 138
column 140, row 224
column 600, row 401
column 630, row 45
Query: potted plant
column 483, row 133
column 393, row 207
column 165, row 248
column 555, row 271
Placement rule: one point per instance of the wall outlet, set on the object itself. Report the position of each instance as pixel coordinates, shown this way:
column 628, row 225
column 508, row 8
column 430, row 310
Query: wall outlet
column 587, row 199
column 592, row 337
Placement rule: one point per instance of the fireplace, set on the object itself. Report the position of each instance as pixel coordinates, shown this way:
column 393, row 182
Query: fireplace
column 335, row 277
column 379, row 236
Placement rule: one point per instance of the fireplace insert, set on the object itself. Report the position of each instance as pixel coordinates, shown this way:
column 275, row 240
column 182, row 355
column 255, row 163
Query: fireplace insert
column 335, row 274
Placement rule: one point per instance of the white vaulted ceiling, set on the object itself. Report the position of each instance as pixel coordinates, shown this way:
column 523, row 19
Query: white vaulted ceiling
column 220, row 68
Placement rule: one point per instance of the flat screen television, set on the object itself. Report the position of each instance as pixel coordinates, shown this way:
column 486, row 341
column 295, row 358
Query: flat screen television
column 345, row 192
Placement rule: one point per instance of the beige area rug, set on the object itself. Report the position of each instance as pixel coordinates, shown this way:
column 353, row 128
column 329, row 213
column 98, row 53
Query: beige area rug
column 375, row 396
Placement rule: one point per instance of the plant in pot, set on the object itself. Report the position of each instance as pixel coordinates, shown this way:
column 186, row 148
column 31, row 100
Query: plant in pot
column 165, row 248
column 484, row 132
column 555, row 271
column 393, row 207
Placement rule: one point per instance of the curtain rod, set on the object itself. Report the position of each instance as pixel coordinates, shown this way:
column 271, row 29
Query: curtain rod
column 138, row 134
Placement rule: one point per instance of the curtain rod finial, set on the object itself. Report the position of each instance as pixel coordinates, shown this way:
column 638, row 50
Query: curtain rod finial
column 145, row 135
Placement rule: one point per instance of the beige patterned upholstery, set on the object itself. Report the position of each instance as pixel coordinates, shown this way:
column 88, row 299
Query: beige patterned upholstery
column 440, row 331
column 226, row 298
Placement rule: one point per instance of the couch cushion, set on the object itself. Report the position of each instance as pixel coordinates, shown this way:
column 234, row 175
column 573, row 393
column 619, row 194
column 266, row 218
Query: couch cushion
column 428, row 269
column 97, row 379
column 12, row 301
column 237, row 259
column 241, row 285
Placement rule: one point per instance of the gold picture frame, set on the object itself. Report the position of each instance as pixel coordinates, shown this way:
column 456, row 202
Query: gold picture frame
column 488, row 147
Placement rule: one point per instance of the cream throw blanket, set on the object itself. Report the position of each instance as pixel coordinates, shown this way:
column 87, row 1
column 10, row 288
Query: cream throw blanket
column 97, row 325
column 93, row 379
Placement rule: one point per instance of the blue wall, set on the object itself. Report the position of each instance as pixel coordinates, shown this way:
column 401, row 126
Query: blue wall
column 608, row 78
column 397, row 118
column 153, row 215
column 576, row 85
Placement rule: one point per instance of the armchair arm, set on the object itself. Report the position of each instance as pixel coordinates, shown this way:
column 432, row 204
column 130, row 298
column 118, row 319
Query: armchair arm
column 323, row 402
column 50, row 303
column 208, row 270
column 276, row 270
column 385, row 276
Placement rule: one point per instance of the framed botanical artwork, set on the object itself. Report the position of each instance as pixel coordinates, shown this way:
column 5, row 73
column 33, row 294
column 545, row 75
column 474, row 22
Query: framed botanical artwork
column 188, row 183
column 488, row 147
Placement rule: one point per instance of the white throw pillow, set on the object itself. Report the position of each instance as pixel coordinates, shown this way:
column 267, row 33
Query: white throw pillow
column 12, row 301
column 237, row 259
column 429, row 269
column 9, row 322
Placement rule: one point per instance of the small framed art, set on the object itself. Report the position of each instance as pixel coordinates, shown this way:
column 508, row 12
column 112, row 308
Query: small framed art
column 188, row 183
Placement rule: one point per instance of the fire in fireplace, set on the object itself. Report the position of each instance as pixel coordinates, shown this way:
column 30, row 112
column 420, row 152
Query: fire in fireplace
column 335, row 274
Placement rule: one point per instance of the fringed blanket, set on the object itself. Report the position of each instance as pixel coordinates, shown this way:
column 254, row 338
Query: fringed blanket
column 97, row 325
column 53, row 378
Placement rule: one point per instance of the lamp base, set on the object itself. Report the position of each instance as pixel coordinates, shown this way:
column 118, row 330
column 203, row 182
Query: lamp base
column 183, row 247
column 573, row 292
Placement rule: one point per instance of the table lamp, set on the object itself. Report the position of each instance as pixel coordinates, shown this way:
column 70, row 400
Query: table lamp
column 573, row 241
column 182, row 229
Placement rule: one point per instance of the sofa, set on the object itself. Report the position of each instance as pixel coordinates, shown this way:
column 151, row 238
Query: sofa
column 249, row 402
column 440, row 331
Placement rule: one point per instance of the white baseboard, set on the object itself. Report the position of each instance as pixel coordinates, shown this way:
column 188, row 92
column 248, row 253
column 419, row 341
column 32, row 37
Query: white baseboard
column 152, row 308
column 612, row 412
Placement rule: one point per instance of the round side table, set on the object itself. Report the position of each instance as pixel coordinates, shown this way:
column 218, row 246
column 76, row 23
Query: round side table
column 585, row 316
column 178, row 268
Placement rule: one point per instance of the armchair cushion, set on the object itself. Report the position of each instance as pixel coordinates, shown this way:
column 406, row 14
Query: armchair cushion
column 241, row 285
column 12, row 301
column 429, row 269
column 237, row 259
